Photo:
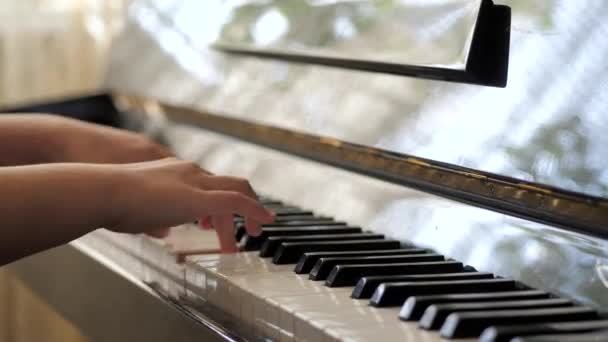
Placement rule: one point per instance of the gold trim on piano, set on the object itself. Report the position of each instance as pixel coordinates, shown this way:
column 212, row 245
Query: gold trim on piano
column 566, row 209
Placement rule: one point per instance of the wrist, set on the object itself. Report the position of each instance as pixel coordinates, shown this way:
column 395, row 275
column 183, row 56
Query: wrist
column 117, row 183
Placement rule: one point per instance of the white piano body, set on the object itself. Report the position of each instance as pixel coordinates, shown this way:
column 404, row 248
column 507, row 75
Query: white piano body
column 545, row 127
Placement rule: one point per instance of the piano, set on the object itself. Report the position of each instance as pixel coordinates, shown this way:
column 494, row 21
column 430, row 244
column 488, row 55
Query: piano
column 424, row 191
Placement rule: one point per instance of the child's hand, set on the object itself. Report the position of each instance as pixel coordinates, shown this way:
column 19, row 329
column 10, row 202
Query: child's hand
column 47, row 205
column 81, row 142
column 170, row 192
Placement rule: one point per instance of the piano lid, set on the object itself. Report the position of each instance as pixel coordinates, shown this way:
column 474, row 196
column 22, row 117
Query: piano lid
column 459, row 40
column 431, row 33
column 547, row 126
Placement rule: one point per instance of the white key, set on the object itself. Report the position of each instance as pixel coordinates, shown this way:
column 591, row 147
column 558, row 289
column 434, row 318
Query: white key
column 271, row 301
column 190, row 239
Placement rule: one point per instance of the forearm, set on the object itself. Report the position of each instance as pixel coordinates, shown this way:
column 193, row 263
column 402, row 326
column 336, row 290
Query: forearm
column 30, row 139
column 40, row 138
column 45, row 206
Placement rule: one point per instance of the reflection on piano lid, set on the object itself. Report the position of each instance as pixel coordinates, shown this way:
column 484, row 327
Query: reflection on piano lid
column 546, row 126
column 534, row 201
column 464, row 41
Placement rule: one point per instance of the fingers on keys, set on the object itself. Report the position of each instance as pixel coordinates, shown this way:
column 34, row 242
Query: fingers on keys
column 225, row 232
column 221, row 205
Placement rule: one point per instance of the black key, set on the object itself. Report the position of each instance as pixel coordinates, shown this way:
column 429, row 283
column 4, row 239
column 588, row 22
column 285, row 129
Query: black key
column 279, row 205
column 238, row 219
column 270, row 202
column 301, row 218
column 349, row 275
column 367, row 285
column 506, row 332
column 251, row 243
column 414, row 307
column 308, row 260
column 471, row 324
column 304, row 223
column 271, row 244
column 392, row 294
column 312, row 230
column 435, row 315
column 241, row 230
column 280, row 210
column 325, row 265
column 290, row 252
column 598, row 336
column 288, row 211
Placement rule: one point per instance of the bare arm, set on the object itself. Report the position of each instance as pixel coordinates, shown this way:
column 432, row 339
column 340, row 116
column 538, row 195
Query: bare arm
column 48, row 205
column 43, row 206
column 41, row 138
column 29, row 139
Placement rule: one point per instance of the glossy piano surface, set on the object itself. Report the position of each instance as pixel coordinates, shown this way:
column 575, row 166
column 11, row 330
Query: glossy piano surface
column 402, row 32
column 546, row 126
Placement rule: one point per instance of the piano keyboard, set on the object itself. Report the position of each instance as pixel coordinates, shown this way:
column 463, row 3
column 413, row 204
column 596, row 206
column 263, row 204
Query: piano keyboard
column 309, row 278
